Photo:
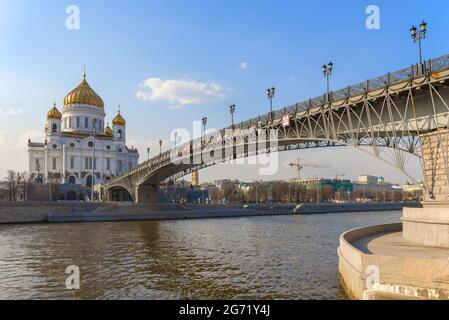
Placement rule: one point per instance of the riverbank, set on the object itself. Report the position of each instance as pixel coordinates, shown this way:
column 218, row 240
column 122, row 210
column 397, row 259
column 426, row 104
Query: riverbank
column 63, row 212
column 399, row 269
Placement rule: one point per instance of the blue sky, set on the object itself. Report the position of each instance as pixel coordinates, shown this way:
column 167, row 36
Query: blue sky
column 202, row 44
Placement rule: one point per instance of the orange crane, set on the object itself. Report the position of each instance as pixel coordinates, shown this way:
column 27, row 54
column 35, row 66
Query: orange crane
column 301, row 165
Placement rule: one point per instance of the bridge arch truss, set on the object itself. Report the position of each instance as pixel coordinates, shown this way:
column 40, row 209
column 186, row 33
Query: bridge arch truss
column 385, row 117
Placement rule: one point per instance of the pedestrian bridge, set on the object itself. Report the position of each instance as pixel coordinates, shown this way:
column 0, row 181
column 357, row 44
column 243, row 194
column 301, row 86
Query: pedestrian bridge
column 393, row 117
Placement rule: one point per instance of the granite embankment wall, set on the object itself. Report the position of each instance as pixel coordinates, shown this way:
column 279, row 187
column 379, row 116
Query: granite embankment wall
column 395, row 274
column 84, row 211
column 38, row 211
column 352, row 207
column 35, row 212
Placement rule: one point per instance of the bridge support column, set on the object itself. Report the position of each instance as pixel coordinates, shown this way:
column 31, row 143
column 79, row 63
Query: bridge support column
column 429, row 225
column 146, row 194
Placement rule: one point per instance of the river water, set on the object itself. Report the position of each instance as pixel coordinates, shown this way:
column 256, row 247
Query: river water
column 277, row 257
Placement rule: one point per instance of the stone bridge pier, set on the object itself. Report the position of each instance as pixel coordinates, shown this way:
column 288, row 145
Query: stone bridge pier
column 146, row 194
column 430, row 225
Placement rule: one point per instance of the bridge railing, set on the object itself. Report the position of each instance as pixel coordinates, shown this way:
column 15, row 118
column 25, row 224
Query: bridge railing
column 407, row 74
column 414, row 71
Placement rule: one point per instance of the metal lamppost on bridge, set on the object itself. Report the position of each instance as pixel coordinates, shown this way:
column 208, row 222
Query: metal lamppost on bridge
column 176, row 138
column 204, row 121
column 417, row 36
column 203, row 143
column 327, row 71
column 160, row 147
column 232, row 111
column 148, row 153
column 270, row 96
column 93, row 161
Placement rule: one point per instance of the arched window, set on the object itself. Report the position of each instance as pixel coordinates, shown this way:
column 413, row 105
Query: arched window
column 71, row 196
column 72, row 180
column 119, row 133
column 54, row 127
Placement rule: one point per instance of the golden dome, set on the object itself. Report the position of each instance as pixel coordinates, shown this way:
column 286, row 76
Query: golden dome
column 119, row 120
column 108, row 131
column 54, row 113
column 46, row 127
column 84, row 94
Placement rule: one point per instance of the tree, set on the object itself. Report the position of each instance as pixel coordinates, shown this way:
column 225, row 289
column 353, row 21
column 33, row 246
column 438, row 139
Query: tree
column 327, row 193
column 280, row 192
column 11, row 178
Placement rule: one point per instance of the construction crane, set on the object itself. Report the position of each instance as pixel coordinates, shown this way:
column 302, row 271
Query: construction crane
column 301, row 165
column 338, row 175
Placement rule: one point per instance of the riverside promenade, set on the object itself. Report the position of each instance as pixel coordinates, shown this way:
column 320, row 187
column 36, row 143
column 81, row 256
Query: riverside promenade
column 377, row 263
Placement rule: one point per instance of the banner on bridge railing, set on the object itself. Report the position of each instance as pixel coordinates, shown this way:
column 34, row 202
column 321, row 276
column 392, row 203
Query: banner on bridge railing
column 286, row 118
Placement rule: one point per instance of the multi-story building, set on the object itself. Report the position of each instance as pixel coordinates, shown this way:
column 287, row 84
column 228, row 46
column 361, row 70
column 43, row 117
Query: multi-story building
column 338, row 185
column 369, row 183
column 80, row 148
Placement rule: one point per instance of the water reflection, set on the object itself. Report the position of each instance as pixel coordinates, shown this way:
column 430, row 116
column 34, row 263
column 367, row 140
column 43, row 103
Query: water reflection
column 290, row 257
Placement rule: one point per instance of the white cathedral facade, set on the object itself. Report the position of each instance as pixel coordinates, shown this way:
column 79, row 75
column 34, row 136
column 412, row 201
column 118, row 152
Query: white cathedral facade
column 78, row 143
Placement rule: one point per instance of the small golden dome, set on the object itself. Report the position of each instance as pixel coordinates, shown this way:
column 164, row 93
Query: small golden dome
column 108, row 131
column 119, row 120
column 46, row 127
column 84, row 94
column 54, row 113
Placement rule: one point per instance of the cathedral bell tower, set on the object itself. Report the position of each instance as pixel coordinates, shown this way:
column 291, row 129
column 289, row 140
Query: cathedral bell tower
column 119, row 127
column 53, row 126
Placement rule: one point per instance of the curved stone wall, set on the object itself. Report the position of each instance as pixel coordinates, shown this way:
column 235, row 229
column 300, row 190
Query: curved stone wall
column 397, row 277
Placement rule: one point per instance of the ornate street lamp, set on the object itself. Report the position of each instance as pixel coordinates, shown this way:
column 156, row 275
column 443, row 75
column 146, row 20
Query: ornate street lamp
column 203, row 143
column 160, row 147
column 204, row 121
column 176, row 138
column 327, row 71
column 417, row 36
column 232, row 111
column 270, row 96
column 148, row 152
column 94, row 122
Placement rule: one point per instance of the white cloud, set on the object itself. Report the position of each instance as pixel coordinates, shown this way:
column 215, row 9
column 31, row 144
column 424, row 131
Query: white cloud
column 181, row 92
column 244, row 65
column 14, row 155
column 11, row 111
